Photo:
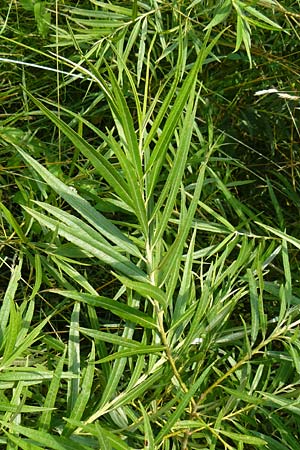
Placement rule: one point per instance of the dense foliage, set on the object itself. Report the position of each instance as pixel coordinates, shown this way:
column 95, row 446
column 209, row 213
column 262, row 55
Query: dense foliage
column 149, row 211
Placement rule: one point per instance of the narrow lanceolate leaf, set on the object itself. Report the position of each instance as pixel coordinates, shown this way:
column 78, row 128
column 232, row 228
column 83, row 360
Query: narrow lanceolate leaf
column 45, row 439
column 282, row 403
column 168, row 264
column 127, row 131
column 246, row 439
column 146, row 289
column 145, row 350
column 21, row 442
column 7, row 407
column 85, row 393
column 182, row 404
column 221, row 14
column 115, row 441
column 281, row 234
column 128, row 187
column 149, row 438
column 25, row 344
column 12, row 222
column 170, row 190
column 264, row 21
column 9, row 297
column 90, row 214
column 112, row 338
column 101, row 164
column 74, row 357
column 135, row 185
column 45, row 419
column 158, row 155
column 142, row 48
column 74, row 231
column 142, row 385
column 119, row 309
column 184, row 291
column 13, row 329
column 254, row 306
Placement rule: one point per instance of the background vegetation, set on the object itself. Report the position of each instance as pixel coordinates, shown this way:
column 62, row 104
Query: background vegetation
column 149, row 225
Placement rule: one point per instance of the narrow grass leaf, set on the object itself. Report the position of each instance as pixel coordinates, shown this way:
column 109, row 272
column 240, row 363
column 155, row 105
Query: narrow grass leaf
column 278, row 209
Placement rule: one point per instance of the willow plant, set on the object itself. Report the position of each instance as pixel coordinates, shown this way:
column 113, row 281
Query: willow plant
column 197, row 346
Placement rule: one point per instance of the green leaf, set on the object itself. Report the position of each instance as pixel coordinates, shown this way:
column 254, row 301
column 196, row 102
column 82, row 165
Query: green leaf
column 175, row 175
column 113, row 339
column 265, row 22
column 49, row 403
column 145, row 289
column 76, row 231
column 47, row 440
column 78, row 408
column 90, row 214
column 182, row 404
column 221, row 13
column 74, row 358
column 281, row 234
column 9, row 298
column 254, row 307
column 120, row 309
column 246, row 439
column 12, row 222
column 149, row 438
column 143, row 350
column 32, row 337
